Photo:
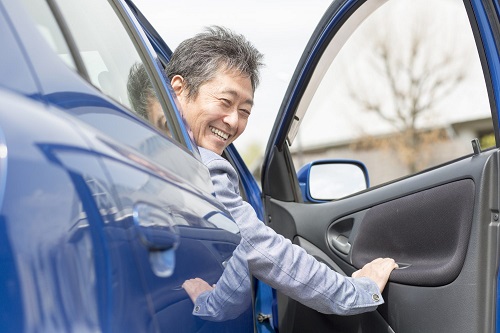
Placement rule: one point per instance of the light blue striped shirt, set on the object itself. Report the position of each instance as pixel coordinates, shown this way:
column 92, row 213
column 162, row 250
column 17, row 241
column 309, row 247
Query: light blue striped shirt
column 274, row 260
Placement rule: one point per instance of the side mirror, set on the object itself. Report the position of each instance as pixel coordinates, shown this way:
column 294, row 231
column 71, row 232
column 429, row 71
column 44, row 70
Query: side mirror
column 326, row 180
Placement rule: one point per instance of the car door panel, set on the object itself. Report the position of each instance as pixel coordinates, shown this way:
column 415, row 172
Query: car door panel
column 426, row 231
column 440, row 225
column 206, row 237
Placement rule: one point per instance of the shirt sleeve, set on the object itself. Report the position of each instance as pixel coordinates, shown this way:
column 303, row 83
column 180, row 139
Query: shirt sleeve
column 284, row 266
column 232, row 293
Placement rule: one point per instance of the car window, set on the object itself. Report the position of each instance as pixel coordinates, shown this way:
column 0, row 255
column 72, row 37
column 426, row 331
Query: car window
column 109, row 59
column 49, row 29
column 108, row 48
column 406, row 92
column 13, row 64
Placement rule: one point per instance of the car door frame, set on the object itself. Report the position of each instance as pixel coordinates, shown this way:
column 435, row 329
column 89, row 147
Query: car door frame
column 281, row 192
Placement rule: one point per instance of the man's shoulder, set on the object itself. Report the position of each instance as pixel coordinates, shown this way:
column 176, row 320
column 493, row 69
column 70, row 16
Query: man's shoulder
column 213, row 160
column 208, row 156
column 217, row 164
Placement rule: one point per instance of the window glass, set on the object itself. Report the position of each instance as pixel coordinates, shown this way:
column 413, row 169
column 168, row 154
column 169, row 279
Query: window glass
column 110, row 58
column 406, row 92
column 49, row 29
column 12, row 64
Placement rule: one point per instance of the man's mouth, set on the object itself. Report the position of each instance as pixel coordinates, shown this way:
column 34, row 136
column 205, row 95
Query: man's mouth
column 223, row 135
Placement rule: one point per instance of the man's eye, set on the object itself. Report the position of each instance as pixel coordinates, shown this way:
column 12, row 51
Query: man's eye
column 245, row 112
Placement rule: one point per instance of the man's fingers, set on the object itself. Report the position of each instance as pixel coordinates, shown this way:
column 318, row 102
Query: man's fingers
column 378, row 270
column 385, row 262
column 194, row 287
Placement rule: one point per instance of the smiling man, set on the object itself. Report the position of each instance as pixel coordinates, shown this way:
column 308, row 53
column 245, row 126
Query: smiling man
column 214, row 76
column 219, row 112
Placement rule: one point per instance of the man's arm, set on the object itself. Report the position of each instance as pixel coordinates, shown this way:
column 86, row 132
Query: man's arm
column 229, row 298
column 287, row 267
column 378, row 270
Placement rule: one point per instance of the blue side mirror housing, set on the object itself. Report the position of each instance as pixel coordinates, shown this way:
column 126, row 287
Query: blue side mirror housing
column 326, row 180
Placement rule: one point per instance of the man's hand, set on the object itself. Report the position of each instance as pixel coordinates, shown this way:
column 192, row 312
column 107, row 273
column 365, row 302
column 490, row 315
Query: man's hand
column 194, row 287
column 378, row 270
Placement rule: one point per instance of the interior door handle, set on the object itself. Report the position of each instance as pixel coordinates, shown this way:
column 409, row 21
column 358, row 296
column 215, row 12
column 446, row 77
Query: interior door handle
column 341, row 243
column 339, row 233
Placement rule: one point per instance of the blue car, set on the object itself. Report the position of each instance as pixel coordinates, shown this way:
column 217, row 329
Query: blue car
column 103, row 216
column 104, row 213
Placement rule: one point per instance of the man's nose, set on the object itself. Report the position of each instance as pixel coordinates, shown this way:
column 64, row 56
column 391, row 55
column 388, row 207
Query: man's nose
column 231, row 118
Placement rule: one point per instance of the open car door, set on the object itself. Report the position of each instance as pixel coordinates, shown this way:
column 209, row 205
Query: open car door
column 405, row 87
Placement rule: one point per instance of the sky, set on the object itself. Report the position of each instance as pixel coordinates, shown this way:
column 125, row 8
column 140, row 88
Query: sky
column 279, row 29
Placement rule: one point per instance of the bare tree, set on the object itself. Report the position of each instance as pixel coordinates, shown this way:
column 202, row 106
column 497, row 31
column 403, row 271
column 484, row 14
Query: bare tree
column 414, row 77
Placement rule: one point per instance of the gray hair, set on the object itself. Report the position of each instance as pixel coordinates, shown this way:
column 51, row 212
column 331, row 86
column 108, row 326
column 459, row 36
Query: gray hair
column 140, row 90
column 198, row 59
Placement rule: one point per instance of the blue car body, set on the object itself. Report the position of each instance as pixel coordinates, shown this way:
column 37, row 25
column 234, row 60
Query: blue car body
column 97, row 234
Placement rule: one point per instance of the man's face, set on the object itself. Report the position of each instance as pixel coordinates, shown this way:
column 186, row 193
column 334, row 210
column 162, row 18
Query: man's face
column 220, row 111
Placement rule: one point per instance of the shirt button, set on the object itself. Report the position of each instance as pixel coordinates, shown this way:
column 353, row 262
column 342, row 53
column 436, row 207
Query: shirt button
column 376, row 297
column 197, row 308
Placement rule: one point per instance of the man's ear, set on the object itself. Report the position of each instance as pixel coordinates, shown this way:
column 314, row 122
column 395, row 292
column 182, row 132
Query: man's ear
column 177, row 83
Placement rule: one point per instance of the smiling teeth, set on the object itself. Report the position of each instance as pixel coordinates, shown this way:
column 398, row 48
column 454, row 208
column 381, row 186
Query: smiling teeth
column 219, row 133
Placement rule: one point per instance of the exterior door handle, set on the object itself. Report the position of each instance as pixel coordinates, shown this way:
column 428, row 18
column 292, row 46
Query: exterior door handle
column 156, row 227
column 157, row 230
